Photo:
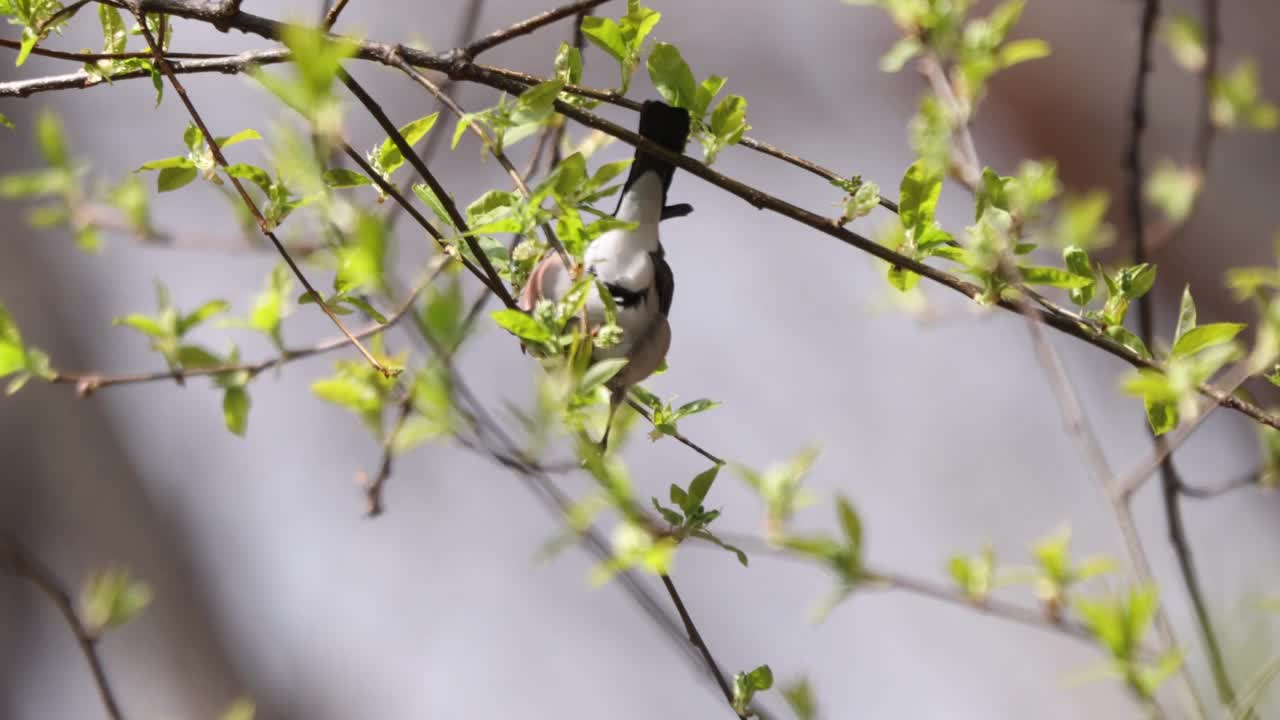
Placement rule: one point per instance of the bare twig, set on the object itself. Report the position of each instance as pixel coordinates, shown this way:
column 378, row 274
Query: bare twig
column 92, row 57
column 331, row 16
column 373, row 486
column 695, row 638
column 495, row 282
column 525, row 27
column 1170, row 482
column 15, row 559
column 466, row 30
column 221, row 159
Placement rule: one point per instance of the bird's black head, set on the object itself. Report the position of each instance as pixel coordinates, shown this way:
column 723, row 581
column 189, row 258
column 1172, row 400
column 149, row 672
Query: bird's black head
column 668, row 127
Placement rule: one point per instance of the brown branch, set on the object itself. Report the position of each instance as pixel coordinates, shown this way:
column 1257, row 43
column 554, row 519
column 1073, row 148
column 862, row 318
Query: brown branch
column 87, row 383
column 495, row 282
column 1170, row 481
column 695, row 638
column 525, row 27
column 466, row 30
column 497, row 153
column 92, row 57
column 23, row 565
column 331, row 16
column 373, row 486
column 644, row 413
column 221, row 159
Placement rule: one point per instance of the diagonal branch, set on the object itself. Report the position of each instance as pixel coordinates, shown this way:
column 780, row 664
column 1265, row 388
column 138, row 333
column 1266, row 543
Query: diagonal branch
column 525, row 27
column 494, row 281
column 221, row 159
column 1170, row 481
column 695, row 638
column 17, row 561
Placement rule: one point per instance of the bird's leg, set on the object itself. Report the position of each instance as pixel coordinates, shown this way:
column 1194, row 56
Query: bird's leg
column 616, row 396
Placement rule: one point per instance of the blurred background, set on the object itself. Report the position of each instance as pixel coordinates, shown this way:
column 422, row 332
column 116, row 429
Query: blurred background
column 269, row 581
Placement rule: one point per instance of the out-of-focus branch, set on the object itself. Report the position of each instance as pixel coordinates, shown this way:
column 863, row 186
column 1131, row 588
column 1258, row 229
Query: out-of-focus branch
column 21, row 564
column 525, row 27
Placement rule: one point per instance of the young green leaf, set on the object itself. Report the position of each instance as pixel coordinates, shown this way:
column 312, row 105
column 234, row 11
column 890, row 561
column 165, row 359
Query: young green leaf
column 111, row 598
column 521, row 325
column 672, row 77
column 1204, row 336
column 235, row 409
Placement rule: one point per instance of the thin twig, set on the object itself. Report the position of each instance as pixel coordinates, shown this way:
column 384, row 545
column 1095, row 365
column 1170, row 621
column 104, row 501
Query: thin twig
column 525, row 27
column 60, row 15
column 93, row 57
column 695, row 638
column 88, row 383
column 221, row 159
column 15, row 559
column 373, row 486
column 1170, row 481
column 331, row 17
column 495, row 282
column 466, row 30
column 493, row 148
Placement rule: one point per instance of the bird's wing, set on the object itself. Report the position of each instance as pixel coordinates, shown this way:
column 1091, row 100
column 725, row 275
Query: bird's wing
column 664, row 280
column 647, row 355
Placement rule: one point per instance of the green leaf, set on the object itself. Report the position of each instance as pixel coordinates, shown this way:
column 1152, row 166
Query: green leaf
column 799, row 696
column 235, row 409
column 599, row 373
column 1081, row 223
column 1130, row 341
column 242, row 709
column 728, row 124
column 991, row 193
column 1186, row 314
column 1020, row 51
column 173, row 178
column 111, row 598
column 1199, row 338
column 194, row 357
column 568, row 65
column 13, row 354
column 114, row 35
column 51, row 140
column 1054, row 277
column 521, row 325
column 672, row 77
column 698, row 489
column 253, row 174
column 242, row 136
column 1162, row 415
column 389, row 158
column 202, row 313
column 1078, row 262
column 1173, row 189
column 605, row 34
column 337, row 178
column 1135, row 281
column 918, row 196
column 850, row 523
column 177, row 161
column 902, row 52
column 347, row 392
column 1185, row 38
column 143, row 324
column 6, row 121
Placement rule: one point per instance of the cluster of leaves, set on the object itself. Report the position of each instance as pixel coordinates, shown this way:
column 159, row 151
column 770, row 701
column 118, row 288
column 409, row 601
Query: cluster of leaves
column 17, row 358
column 861, row 197
column 664, row 416
column 714, row 128
column 623, row 39
column 35, row 17
column 115, row 41
column 317, row 59
column 1120, row 623
column 747, row 684
column 688, row 517
column 974, row 49
column 1198, row 352
column 62, row 182
column 110, row 599
column 1053, row 576
column 363, row 389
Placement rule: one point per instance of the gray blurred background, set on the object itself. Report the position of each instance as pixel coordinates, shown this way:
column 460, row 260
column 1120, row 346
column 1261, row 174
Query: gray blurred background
column 270, row 583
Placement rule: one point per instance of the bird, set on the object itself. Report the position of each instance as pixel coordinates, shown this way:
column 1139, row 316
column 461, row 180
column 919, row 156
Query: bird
column 630, row 264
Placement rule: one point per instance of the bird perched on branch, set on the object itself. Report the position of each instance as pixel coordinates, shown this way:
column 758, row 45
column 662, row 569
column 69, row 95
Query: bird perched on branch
column 630, row 263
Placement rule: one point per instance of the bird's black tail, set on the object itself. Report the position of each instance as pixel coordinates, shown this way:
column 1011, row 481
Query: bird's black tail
column 667, row 126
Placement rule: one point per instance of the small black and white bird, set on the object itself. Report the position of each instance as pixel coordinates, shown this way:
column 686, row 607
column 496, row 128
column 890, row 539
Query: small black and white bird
column 630, row 264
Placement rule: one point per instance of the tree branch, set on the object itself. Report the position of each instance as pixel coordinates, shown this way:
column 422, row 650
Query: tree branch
column 495, row 282
column 221, row 159
column 525, row 27
column 17, row 561
column 695, row 638
column 1170, row 481
column 88, row 383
